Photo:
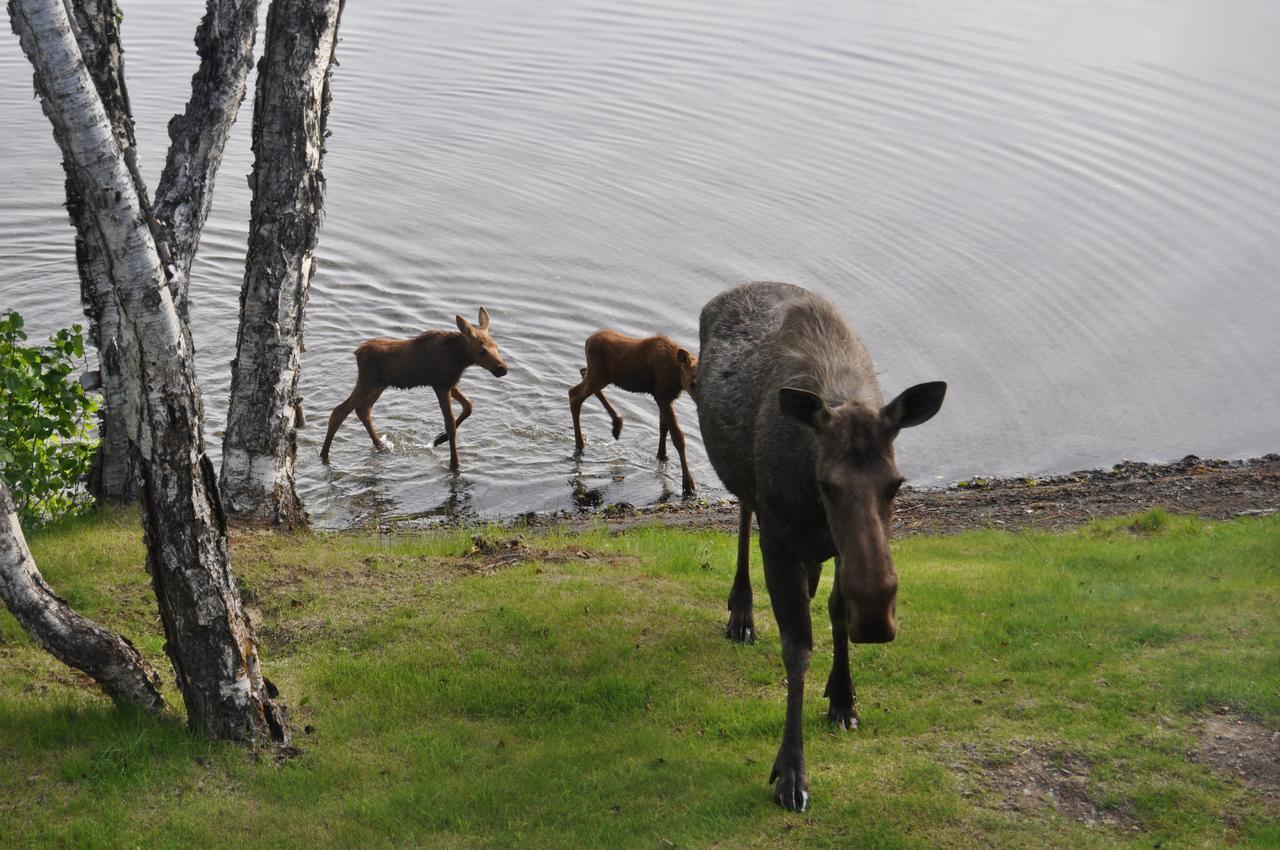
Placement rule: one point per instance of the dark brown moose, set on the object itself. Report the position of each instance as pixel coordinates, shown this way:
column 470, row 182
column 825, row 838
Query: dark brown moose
column 796, row 427
column 653, row 365
column 433, row 359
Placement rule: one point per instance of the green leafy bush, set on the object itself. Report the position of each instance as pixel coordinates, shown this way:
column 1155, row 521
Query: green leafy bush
column 46, row 417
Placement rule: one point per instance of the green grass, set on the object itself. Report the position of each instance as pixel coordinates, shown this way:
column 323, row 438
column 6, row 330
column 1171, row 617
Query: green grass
column 583, row 695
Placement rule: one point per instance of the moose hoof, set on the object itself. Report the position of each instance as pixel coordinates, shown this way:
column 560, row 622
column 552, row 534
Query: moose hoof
column 689, row 491
column 386, row 446
column 662, row 455
column 739, row 631
column 617, row 428
column 846, row 719
column 790, row 789
column 440, row 439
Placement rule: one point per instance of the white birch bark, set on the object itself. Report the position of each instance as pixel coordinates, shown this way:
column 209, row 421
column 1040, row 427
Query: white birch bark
column 108, row 658
column 209, row 639
column 291, row 106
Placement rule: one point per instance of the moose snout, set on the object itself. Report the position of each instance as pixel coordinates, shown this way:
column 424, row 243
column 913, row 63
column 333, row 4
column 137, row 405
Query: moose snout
column 871, row 615
column 498, row 371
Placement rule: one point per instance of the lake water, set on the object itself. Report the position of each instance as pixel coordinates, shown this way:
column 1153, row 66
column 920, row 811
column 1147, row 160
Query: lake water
column 1069, row 210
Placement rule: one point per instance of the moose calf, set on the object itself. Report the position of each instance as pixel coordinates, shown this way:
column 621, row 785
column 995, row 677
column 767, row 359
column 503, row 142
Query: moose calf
column 436, row 359
column 653, row 365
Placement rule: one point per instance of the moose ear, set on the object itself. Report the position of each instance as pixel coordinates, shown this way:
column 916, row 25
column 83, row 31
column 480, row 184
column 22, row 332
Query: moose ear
column 803, row 406
column 915, row 405
column 683, row 357
column 484, row 319
column 465, row 326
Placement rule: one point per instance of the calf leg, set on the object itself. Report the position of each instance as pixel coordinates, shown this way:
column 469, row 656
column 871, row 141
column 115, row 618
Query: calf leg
column 450, row 427
column 342, row 411
column 662, row 437
column 839, row 690
column 456, row 393
column 613, row 414
column 742, row 627
column 667, row 412
column 789, row 593
column 364, row 411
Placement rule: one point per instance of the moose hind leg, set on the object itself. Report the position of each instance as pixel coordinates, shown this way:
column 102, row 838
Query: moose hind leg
column 742, row 627
column 613, row 414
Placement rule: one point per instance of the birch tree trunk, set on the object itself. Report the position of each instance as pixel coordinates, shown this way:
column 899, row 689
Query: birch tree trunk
column 209, row 639
column 198, row 137
column 107, row 657
column 98, row 35
column 224, row 42
column 291, row 107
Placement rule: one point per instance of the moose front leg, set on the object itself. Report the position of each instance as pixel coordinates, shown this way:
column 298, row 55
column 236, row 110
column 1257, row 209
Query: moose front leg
column 788, row 584
column 667, row 413
column 742, row 626
column 456, row 393
column 839, row 690
column 450, row 427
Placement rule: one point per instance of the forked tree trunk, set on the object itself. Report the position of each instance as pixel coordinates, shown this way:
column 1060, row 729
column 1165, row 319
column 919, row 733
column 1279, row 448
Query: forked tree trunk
column 209, row 639
column 291, row 106
column 107, row 657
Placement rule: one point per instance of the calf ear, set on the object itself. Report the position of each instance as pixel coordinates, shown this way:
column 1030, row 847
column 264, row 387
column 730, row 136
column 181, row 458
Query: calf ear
column 484, row 319
column 804, row 407
column 683, row 357
column 915, row 405
column 465, row 326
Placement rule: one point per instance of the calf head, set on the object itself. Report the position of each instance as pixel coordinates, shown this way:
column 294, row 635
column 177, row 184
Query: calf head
column 687, row 363
column 484, row 351
column 858, row 480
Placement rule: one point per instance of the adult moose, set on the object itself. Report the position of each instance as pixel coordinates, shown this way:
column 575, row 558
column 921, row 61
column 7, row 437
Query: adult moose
column 796, row 427
column 655, row 365
column 433, row 359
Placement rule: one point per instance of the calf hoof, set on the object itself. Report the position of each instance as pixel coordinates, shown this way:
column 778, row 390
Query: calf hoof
column 791, row 788
column 386, row 446
column 689, row 490
column 617, row 428
column 846, row 718
column 324, row 458
column 740, row 629
column 440, row 439
column 662, row 454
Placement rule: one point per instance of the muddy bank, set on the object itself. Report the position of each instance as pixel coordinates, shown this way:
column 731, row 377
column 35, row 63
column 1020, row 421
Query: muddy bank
column 1213, row 489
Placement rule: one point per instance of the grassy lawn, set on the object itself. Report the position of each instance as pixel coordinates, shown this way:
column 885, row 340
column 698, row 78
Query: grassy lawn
column 575, row 691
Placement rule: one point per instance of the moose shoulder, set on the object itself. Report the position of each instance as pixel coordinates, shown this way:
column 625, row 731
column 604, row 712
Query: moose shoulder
column 796, row 427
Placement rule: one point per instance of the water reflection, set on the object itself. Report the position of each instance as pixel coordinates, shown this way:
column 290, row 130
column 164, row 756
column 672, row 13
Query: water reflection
column 458, row 507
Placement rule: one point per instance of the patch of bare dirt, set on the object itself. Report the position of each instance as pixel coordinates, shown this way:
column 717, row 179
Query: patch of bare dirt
column 1242, row 749
column 1212, row 489
column 1035, row 779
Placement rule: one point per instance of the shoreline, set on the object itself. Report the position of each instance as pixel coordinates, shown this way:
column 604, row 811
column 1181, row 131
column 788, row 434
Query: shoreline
column 1210, row 489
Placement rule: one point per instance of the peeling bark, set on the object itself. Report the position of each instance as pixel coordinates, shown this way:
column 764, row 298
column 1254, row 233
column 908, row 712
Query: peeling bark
column 209, row 639
column 199, row 135
column 291, row 107
column 108, row 658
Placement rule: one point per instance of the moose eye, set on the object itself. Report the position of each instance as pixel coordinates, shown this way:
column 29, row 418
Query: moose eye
column 892, row 490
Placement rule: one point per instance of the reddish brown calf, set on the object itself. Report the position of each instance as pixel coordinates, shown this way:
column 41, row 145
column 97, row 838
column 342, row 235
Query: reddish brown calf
column 435, row 359
column 654, row 365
